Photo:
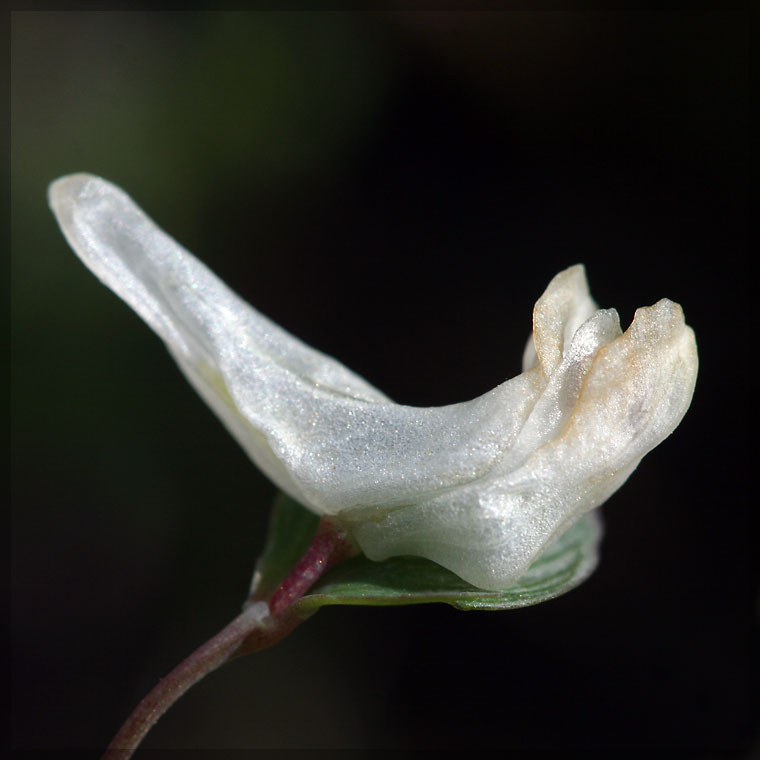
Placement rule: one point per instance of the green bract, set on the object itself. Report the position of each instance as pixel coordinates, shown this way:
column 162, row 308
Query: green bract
column 568, row 561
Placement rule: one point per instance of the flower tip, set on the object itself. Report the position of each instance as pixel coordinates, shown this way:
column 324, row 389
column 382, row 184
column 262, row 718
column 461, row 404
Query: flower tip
column 70, row 193
column 69, row 186
column 663, row 321
column 564, row 306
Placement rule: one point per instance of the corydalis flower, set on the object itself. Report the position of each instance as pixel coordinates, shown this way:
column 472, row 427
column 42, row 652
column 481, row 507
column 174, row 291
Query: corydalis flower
column 480, row 487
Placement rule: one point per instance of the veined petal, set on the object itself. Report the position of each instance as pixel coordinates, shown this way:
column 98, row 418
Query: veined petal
column 343, row 454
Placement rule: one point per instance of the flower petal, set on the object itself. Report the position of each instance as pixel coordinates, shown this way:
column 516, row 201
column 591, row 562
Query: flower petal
column 320, row 432
column 564, row 306
column 200, row 319
column 637, row 391
column 178, row 296
column 558, row 400
column 633, row 396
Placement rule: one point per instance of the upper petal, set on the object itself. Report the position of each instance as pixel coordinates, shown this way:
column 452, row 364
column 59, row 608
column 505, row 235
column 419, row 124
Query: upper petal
column 178, row 296
column 564, row 306
column 637, row 391
column 558, row 400
column 202, row 321
column 321, row 432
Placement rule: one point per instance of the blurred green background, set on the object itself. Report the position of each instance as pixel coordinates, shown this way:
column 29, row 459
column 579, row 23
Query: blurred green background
column 397, row 189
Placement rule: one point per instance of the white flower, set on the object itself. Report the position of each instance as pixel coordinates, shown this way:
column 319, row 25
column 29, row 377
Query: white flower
column 479, row 487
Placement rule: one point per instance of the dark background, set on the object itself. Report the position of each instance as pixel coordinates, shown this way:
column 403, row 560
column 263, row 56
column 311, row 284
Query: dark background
column 397, row 190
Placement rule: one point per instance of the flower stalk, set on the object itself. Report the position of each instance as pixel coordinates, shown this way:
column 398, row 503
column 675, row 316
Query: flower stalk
column 260, row 625
column 330, row 544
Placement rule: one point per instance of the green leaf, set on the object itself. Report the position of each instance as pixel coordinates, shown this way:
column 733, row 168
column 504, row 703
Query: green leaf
column 412, row 580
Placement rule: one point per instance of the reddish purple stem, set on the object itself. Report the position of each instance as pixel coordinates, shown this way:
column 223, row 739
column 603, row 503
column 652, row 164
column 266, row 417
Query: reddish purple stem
column 328, row 546
column 251, row 631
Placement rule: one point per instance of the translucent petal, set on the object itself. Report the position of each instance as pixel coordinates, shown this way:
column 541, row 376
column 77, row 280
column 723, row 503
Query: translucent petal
column 321, row 432
column 178, row 296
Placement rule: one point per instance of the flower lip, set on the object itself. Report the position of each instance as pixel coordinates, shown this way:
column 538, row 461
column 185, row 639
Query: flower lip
column 480, row 487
